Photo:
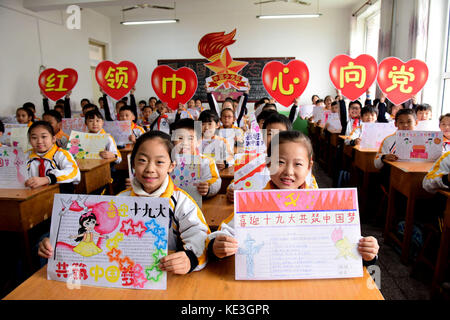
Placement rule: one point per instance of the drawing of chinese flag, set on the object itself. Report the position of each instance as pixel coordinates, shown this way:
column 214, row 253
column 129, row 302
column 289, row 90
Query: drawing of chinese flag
column 399, row 80
column 249, row 173
column 116, row 80
column 213, row 46
column 353, row 77
column 55, row 84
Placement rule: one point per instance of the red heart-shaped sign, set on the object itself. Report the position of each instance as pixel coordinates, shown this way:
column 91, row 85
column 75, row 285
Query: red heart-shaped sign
column 283, row 82
column 174, row 86
column 55, row 84
column 116, row 80
column 353, row 77
column 400, row 81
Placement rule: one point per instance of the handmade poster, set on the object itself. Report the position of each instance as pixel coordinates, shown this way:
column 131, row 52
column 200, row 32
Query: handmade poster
column 13, row 168
column 116, row 80
column 253, row 142
column 399, row 80
column 353, row 77
column 253, row 123
column 427, row 125
column 306, row 111
column 320, row 114
column 6, row 137
column 84, row 145
column 120, row 130
column 285, row 82
column 229, row 135
column 186, row 175
column 334, row 122
column 373, row 134
column 213, row 46
column 56, row 84
column 19, row 138
column 109, row 241
column 69, row 124
column 419, row 145
column 250, row 171
column 174, row 86
column 297, row 234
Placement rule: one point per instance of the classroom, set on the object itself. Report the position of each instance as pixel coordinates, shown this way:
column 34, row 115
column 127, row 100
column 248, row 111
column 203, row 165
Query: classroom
column 225, row 150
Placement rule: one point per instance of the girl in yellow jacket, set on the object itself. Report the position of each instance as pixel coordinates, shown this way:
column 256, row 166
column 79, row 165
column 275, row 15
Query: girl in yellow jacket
column 294, row 164
column 47, row 163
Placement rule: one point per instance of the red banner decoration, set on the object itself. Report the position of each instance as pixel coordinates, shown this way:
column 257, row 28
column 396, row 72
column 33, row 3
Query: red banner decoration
column 353, row 77
column 400, row 81
column 174, row 86
column 285, row 82
column 55, row 84
column 116, row 80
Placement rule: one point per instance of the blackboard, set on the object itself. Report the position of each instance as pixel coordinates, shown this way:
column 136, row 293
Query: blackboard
column 252, row 71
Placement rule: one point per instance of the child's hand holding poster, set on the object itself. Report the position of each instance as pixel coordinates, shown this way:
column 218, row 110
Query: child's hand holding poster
column 120, row 130
column 297, row 234
column 109, row 241
column 84, row 145
column 373, row 134
column 13, row 168
column 419, row 145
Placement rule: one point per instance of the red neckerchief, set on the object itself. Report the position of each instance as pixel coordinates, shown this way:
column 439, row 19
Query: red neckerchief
column 355, row 122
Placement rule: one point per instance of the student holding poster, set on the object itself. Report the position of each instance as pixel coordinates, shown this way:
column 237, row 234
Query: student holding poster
column 47, row 163
column 444, row 125
column 294, row 163
column 368, row 115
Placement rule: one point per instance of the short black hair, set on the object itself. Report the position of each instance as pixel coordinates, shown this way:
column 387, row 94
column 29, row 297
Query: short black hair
column 265, row 114
column 60, row 101
column 355, row 102
column 444, row 116
column 88, row 106
column 2, row 127
column 146, row 107
column 226, row 109
column 404, row 111
column 91, row 114
column 424, row 107
column 53, row 113
column 277, row 118
column 319, row 101
column 84, row 99
column 142, row 101
column 28, row 111
column 154, row 134
column 41, row 123
column 29, row 105
column 292, row 136
column 208, row 116
column 269, row 105
column 368, row 109
column 185, row 123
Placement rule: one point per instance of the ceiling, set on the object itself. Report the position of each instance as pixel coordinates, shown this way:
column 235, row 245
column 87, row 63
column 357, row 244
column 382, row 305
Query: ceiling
column 113, row 8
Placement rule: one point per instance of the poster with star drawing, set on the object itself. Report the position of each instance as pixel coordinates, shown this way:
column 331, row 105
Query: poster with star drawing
column 418, row 145
column 297, row 234
column 109, row 241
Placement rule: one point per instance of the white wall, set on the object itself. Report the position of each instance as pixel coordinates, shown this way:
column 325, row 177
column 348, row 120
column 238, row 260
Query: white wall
column 314, row 41
column 21, row 54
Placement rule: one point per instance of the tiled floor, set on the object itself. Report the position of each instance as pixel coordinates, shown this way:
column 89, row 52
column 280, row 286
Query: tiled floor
column 396, row 281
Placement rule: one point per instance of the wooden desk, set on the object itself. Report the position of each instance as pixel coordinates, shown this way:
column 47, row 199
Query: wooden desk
column 94, row 174
column 216, row 209
column 22, row 209
column 123, row 165
column 215, row 282
column 442, row 257
column 227, row 175
column 364, row 162
column 406, row 178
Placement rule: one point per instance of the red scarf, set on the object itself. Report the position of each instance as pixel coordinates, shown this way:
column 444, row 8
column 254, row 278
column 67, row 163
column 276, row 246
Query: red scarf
column 355, row 122
column 41, row 167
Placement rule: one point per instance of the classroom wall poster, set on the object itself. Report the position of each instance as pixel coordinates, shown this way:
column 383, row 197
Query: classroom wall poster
column 13, row 169
column 109, row 241
column 297, row 234
column 84, row 145
column 120, row 130
column 419, row 145
column 373, row 134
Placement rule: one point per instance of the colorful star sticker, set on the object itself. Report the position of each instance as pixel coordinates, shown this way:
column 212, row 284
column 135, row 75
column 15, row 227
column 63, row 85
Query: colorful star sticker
column 158, row 255
column 139, row 281
column 151, row 226
column 160, row 244
column 114, row 255
column 139, row 229
column 126, row 264
column 127, row 226
column 153, row 273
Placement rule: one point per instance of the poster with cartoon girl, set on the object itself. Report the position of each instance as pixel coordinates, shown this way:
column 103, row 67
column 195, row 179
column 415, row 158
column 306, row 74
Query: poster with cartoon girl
column 109, row 241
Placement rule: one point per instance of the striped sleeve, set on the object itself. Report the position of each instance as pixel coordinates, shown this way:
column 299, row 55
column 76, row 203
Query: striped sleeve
column 437, row 177
column 211, row 175
column 67, row 169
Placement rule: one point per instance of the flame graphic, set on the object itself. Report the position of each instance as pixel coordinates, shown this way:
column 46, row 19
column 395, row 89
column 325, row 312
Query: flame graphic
column 211, row 45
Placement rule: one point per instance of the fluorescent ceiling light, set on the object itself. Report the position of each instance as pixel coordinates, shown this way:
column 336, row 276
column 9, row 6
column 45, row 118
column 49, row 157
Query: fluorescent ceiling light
column 129, row 23
column 289, row 16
